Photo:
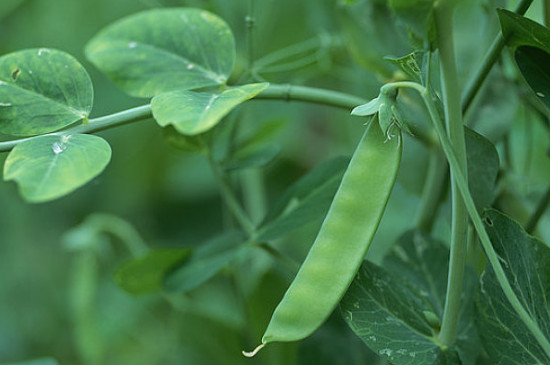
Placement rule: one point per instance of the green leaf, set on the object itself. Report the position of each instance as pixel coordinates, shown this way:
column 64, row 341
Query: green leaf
column 526, row 262
column 42, row 90
column 193, row 113
column 205, row 262
column 395, row 308
column 305, row 201
column 162, row 50
column 45, row 361
column 483, row 165
column 408, row 65
column 183, row 142
column 255, row 156
column 145, row 274
column 417, row 15
column 48, row 167
column 531, row 44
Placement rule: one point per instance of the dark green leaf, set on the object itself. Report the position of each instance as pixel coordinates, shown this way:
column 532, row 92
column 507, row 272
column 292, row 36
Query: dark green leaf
column 526, row 262
column 193, row 113
column 417, row 15
column 42, row 90
column 483, row 165
column 163, row 50
column 205, row 262
column 48, row 167
column 531, row 44
column 305, row 201
column 394, row 308
column 45, row 361
column 145, row 274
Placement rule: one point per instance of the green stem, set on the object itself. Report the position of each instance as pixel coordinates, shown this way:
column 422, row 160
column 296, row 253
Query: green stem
column 279, row 256
column 474, row 85
column 455, row 130
column 231, row 200
column 539, row 211
column 432, row 191
column 492, row 256
column 121, row 229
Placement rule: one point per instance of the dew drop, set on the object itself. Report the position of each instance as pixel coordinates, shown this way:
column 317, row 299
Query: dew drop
column 42, row 51
column 3, row 83
column 132, row 45
column 58, row 147
column 540, row 95
column 190, row 66
column 5, row 104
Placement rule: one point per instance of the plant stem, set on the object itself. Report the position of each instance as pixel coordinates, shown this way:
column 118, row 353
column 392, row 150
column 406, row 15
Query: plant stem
column 432, row 191
column 455, row 130
column 473, row 87
column 231, row 200
column 250, row 34
column 539, row 211
column 462, row 184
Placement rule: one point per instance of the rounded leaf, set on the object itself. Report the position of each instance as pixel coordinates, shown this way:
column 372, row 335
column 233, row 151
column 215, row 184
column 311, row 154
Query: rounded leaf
column 163, row 50
column 48, row 167
column 42, row 90
column 192, row 113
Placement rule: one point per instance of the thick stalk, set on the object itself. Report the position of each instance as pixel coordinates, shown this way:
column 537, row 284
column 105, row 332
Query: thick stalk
column 250, row 20
column 432, row 191
column 455, row 130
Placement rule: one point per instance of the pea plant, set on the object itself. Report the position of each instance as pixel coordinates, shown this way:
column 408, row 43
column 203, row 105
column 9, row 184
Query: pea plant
column 475, row 293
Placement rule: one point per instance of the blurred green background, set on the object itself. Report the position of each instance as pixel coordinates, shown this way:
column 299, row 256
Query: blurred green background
column 60, row 301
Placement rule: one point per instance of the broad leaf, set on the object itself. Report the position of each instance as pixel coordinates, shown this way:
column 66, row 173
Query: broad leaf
column 163, row 50
column 42, row 90
column 483, row 165
column 305, row 201
column 531, row 44
column 205, row 262
column 145, row 274
column 48, row 167
column 396, row 309
column 192, row 113
column 526, row 262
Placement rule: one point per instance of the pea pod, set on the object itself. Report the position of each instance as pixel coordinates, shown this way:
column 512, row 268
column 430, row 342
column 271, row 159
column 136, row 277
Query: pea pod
column 343, row 240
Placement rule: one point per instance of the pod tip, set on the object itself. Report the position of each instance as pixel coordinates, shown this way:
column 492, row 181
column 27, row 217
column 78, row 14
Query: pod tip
column 254, row 352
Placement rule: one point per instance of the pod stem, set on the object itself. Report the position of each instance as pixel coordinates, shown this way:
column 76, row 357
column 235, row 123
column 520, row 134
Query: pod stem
column 254, row 352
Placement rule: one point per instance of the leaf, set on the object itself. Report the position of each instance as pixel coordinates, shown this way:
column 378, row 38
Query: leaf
column 408, row 65
column 483, row 165
column 205, row 262
column 526, row 262
column 145, row 274
column 395, row 308
column 305, row 201
column 255, row 156
column 531, row 44
column 42, row 90
column 183, row 142
column 161, row 50
column 192, row 113
column 48, row 167
column 417, row 15
column 45, row 361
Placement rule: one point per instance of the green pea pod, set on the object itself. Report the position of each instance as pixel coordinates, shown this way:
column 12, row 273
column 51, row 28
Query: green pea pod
column 343, row 240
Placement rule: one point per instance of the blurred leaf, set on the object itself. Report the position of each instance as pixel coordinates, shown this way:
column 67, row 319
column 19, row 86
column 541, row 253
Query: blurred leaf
column 305, row 201
column 417, row 15
column 42, row 90
column 45, row 361
column 483, row 165
column 205, row 262
column 48, row 167
column 145, row 274
column 256, row 156
column 163, row 50
column 531, row 44
column 7, row 6
column 526, row 263
column 192, row 113
column 182, row 141
column 387, row 307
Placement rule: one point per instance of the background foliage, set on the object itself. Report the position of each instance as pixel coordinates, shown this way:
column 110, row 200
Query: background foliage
column 58, row 294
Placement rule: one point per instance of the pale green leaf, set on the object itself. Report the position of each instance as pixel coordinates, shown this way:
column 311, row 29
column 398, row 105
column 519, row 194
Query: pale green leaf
column 192, row 113
column 42, row 90
column 145, row 274
column 409, row 65
column 396, row 309
column 48, row 167
column 163, row 50
column 526, row 263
